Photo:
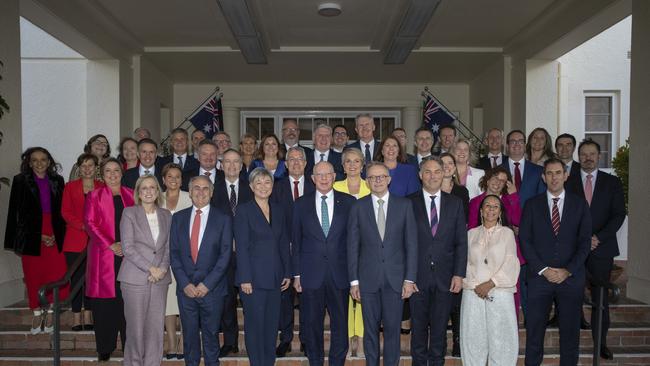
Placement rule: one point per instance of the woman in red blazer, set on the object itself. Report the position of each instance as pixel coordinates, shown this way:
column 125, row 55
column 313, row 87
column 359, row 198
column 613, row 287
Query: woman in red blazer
column 76, row 238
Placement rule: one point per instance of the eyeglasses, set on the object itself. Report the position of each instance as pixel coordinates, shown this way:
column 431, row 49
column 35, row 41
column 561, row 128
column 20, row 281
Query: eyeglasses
column 290, row 129
column 322, row 175
column 517, row 142
column 377, row 178
column 295, row 160
column 340, row 133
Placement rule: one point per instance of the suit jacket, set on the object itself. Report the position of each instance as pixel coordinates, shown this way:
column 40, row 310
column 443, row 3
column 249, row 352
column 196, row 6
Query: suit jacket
column 189, row 174
column 283, row 195
column 607, row 210
column 214, row 252
column 313, row 253
column 569, row 249
column 131, row 176
column 189, row 164
column 357, row 144
column 531, row 182
column 334, row 158
column 486, row 164
column 575, row 170
column 308, row 151
column 100, row 224
column 221, row 195
column 72, row 210
column 263, row 257
column 413, row 160
column 25, row 216
column 371, row 260
column 140, row 250
column 444, row 254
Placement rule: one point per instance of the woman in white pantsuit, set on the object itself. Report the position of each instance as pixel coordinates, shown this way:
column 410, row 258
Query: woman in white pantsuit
column 488, row 326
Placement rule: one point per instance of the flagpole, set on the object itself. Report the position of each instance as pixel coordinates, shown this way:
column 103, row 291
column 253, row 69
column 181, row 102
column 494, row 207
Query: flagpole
column 187, row 118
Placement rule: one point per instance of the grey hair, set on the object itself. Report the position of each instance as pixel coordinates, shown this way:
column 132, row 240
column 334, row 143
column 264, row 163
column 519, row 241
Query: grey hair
column 377, row 163
column 299, row 149
column 352, row 151
column 258, row 173
column 361, row 115
column 322, row 125
column 197, row 177
column 431, row 158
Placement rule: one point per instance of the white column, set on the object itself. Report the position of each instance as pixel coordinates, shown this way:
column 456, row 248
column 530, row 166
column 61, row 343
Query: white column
column 542, row 90
column 231, row 124
column 638, row 286
column 411, row 121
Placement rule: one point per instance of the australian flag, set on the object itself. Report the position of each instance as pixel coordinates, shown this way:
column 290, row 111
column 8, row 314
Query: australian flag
column 434, row 116
column 209, row 118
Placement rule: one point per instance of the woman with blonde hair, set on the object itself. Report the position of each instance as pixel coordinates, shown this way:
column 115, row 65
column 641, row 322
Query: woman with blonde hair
column 468, row 176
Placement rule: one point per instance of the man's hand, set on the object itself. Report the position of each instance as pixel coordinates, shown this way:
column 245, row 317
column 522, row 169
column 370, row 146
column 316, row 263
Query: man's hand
column 285, row 284
column 296, row 284
column 355, row 293
column 117, row 248
column 562, row 274
column 556, row 275
column 408, row 289
column 246, row 288
column 594, row 242
column 484, row 288
column 202, row 290
column 190, row 291
column 456, row 284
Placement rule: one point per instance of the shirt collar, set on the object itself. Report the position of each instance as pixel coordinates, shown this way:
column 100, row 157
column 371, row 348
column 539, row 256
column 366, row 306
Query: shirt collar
column 584, row 174
column 236, row 182
column 550, row 197
column 428, row 195
column 300, row 180
column 384, row 197
column 329, row 195
column 151, row 169
column 498, row 155
column 204, row 210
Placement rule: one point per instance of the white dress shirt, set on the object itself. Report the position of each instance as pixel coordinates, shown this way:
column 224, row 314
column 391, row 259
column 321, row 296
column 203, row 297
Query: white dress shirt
column 205, row 211
column 330, row 206
column 499, row 158
column 152, row 170
column 375, row 205
column 522, row 165
column 362, row 145
column 235, row 188
column 422, row 157
column 213, row 173
column 317, row 153
column 183, row 157
column 427, row 203
column 301, row 185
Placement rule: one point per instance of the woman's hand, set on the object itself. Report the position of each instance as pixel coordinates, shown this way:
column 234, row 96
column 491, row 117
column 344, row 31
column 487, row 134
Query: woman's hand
column 117, row 248
column 483, row 289
column 512, row 188
column 157, row 273
column 246, row 288
column 47, row 240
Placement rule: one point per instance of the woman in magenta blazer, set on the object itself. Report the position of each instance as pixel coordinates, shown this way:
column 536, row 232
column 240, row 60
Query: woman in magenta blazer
column 103, row 213
column 76, row 238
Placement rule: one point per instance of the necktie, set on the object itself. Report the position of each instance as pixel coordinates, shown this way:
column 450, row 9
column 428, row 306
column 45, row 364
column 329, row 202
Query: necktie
column 194, row 236
column 207, row 174
column 494, row 161
column 555, row 217
column 434, row 216
column 296, row 192
column 589, row 189
column 324, row 216
column 322, row 157
column 381, row 218
column 180, row 161
column 147, row 172
column 368, row 157
column 517, row 177
column 233, row 199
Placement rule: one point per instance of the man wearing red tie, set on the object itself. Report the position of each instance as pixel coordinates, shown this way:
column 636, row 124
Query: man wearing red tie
column 200, row 249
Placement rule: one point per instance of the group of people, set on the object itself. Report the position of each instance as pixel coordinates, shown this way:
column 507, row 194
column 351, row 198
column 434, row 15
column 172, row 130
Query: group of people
column 380, row 239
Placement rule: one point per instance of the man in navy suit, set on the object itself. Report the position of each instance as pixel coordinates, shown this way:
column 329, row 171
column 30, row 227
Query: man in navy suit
column 495, row 155
column 200, row 248
column 526, row 176
column 323, row 152
column 565, row 146
column 366, row 142
column 423, row 144
column 147, row 153
column 285, row 192
column 442, row 262
column 555, row 235
column 291, row 136
column 231, row 191
column 208, row 153
column 179, row 141
column 382, row 262
column 604, row 194
column 319, row 252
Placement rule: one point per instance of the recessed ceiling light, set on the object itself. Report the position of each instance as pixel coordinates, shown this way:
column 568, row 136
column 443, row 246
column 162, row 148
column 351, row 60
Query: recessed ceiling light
column 329, row 9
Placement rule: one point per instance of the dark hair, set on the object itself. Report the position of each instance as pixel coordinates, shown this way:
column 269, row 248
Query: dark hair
column 455, row 177
column 87, row 156
column 260, row 149
column 548, row 144
column 120, row 148
column 401, row 155
column 340, row 126
column 106, row 162
column 452, row 127
column 231, row 150
column 553, row 160
column 423, row 128
column 170, row 166
column 398, row 129
column 147, row 140
column 483, row 182
column 566, row 136
column 179, row 130
column 589, row 141
column 504, row 218
column 515, row 131
column 52, row 170
column 95, row 138
column 432, row 158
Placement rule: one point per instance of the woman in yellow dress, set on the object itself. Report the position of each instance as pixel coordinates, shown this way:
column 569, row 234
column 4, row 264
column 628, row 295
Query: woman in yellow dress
column 353, row 161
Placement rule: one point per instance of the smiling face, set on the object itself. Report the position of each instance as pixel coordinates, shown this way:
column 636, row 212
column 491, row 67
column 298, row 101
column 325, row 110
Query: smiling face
column 208, row 156
column 495, row 141
column 378, row 180
column 130, row 150
column 352, row 164
column 179, row 143
column 112, row 174
column 565, row 148
column 99, row 147
column 424, row 142
column 340, row 137
column 461, row 152
column 262, row 187
column 390, row 150
column 323, row 177
column 87, row 169
column 247, row 146
column 223, row 142
column 172, row 179
column 148, row 190
column 490, row 211
column 197, row 137
column 365, row 128
column 447, row 138
column 538, row 140
column 589, row 157
column 200, row 191
column 270, row 147
column 496, row 183
column 516, row 145
column 322, row 139
column 448, row 166
column 431, row 174
column 147, row 154
column 296, row 164
column 290, row 132
column 232, row 165
column 39, row 163
column 554, row 177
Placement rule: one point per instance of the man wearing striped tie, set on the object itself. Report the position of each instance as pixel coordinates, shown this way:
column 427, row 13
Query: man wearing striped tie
column 555, row 235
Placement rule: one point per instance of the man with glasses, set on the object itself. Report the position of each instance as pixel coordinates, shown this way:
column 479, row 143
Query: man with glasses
column 222, row 140
column 400, row 134
column 323, row 152
column 526, row 176
column 340, row 138
column 291, row 136
column 382, row 262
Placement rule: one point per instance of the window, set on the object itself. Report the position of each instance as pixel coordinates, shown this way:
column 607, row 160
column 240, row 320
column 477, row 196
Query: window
column 600, row 124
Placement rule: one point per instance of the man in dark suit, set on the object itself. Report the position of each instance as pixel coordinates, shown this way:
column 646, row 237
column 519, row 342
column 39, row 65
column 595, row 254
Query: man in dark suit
column 200, row 247
column 423, row 144
column 400, row 134
column 179, row 141
column 319, row 243
column 229, row 192
column 495, row 155
column 442, row 261
column 285, row 192
column 366, row 142
column 291, row 136
column 323, row 152
column 208, row 152
column 147, row 153
column 604, row 195
column 565, row 146
column 555, row 235
column 382, row 262
column 197, row 136
column 446, row 139
column 340, row 138
column 526, row 176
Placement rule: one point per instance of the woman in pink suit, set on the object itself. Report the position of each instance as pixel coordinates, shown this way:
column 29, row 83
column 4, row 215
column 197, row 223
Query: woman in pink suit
column 103, row 213
column 496, row 182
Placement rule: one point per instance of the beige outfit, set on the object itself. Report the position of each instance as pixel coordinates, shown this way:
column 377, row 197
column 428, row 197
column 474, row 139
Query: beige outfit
column 184, row 201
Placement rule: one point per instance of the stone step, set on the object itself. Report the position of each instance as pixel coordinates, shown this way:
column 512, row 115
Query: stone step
column 623, row 335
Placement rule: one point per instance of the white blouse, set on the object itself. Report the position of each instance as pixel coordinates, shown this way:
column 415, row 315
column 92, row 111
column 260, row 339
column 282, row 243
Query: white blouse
column 153, row 225
column 492, row 255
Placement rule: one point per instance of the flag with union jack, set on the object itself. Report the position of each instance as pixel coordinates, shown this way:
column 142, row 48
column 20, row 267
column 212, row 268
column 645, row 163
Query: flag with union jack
column 209, row 118
column 434, row 116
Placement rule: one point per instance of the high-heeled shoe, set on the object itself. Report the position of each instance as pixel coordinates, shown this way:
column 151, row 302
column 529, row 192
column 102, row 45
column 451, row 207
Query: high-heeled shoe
column 38, row 319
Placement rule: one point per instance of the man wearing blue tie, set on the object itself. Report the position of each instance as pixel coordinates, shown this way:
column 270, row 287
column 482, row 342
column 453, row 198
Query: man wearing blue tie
column 555, row 235
column 382, row 262
column 320, row 264
column 365, row 128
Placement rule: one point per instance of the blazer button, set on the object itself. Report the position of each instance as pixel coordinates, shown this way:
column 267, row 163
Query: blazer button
column 154, row 252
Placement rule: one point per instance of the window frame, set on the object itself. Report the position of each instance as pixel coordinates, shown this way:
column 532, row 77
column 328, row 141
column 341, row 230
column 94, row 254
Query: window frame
column 615, row 121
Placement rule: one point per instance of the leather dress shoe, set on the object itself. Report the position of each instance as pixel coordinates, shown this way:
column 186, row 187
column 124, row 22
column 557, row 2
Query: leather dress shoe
column 227, row 349
column 103, row 357
column 282, row 349
column 170, row 356
column 584, row 324
column 303, row 349
column 606, row 353
column 405, row 331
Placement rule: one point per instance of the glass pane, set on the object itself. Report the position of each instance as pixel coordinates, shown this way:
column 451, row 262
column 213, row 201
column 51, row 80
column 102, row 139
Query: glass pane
column 333, row 121
column 320, row 121
column 349, row 124
column 598, row 105
column 253, row 127
column 605, row 142
column 377, row 133
column 305, row 125
column 268, row 125
column 598, row 122
column 387, row 126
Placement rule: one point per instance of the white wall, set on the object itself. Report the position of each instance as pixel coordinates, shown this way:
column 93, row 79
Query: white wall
column 542, row 95
column 155, row 90
column 487, row 92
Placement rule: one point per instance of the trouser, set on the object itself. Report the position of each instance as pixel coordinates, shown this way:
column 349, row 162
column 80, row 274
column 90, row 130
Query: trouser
column 599, row 270
column 382, row 307
column 261, row 318
column 430, row 309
